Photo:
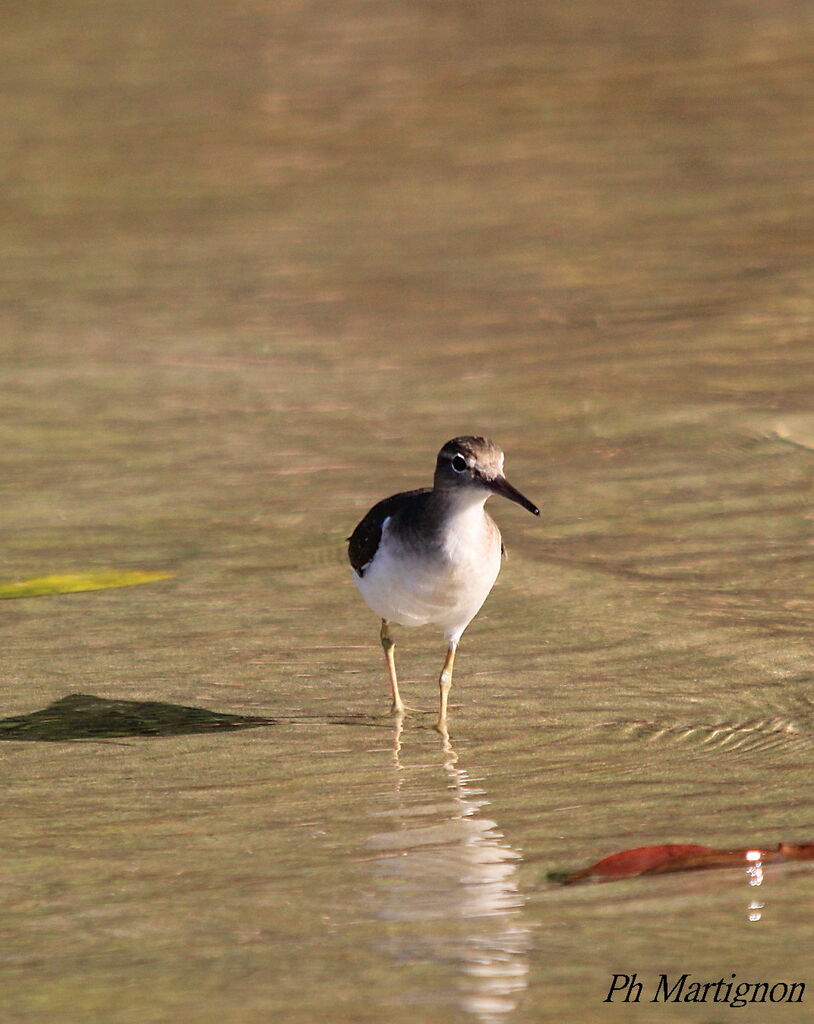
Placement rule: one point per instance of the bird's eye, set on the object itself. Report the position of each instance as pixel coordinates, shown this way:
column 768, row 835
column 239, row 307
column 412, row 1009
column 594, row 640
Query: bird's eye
column 459, row 463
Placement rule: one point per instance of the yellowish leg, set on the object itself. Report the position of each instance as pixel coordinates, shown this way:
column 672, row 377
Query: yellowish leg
column 389, row 644
column 445, row 684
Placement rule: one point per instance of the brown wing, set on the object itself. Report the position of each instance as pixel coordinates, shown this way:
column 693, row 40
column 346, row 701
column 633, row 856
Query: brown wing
column 363, row 543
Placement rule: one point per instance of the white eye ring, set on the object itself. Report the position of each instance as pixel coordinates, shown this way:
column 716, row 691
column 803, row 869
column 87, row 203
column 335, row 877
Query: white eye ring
column 458, row 463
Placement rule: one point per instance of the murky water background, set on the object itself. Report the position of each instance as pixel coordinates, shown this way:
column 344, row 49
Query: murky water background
column 259, row 262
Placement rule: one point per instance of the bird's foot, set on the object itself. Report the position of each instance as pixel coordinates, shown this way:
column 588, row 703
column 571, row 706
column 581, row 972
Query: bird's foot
column 443, row 720
column 404, row 709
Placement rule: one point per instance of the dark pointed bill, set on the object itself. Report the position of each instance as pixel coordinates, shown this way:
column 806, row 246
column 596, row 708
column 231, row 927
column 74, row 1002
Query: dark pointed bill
column 500, row 485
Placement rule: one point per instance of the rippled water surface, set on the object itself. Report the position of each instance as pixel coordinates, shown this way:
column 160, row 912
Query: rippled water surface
column 259, row 262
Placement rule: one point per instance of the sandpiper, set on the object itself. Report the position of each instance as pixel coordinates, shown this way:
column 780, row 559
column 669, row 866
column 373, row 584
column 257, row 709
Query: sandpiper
column 432, row 555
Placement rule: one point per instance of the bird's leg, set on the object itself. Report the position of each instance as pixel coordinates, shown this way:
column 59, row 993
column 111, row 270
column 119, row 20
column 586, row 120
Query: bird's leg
column 445, row 683
column 388, row 643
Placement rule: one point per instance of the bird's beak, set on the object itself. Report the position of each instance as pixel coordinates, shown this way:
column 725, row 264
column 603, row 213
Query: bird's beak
column 500, row 485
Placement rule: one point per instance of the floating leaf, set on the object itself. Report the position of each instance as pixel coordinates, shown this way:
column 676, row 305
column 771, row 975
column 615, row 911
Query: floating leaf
column 81, row 716
column 73, row 583
column 655, row 860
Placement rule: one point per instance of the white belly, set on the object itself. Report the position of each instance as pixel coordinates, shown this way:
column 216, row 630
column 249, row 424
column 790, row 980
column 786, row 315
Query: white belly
column 446, row 591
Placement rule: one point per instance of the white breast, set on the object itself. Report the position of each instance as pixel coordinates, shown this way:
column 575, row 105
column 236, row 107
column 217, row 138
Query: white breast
column 448, row 587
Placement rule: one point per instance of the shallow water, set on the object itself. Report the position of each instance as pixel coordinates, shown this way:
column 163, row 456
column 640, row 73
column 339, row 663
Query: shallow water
column 260, row 262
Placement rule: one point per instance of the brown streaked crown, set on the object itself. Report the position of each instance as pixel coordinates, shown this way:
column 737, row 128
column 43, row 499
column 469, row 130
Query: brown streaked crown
column 476, row 462
column 483, row 461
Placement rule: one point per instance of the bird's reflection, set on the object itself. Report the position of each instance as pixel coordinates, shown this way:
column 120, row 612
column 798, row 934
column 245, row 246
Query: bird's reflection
column 446, row 878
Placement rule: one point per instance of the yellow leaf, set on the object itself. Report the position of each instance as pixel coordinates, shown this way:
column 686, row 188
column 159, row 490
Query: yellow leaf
column 72, row 583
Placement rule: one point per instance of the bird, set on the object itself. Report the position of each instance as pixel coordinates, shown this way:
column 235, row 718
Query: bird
column 431, row 556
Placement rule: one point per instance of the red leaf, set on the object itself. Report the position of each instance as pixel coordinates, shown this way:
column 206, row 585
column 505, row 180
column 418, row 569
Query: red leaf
column 652, row 860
